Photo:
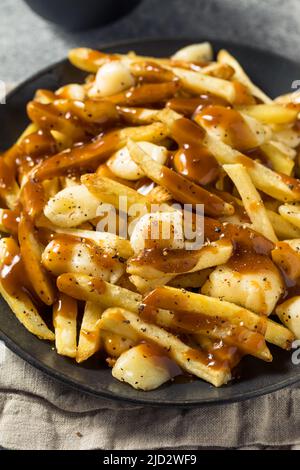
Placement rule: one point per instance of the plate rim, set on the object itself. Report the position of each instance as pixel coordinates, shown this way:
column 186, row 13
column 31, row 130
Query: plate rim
column 63, row 378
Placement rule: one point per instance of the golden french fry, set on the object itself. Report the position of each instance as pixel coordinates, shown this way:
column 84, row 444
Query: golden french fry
column 288, row 136
column 30, row 129
column 72, row 206
column 111, row 191
column 65, row 325
column 159, row 195
column 280, row 158
column 191, row 280
column 282, row 227
column 223, row 71
column 279, row 335
column 9, row 190
column 181, row 188
column 144, row 285
column 179, row 299
column 272, row 113
column 281, row 187
column 94, row 153
column 289, row 313
column 197, row 82
column 225, row 57
column 191, row 360
column 9, row 220
column 16, row 297
column 31, row 252
column 47, row 117
column 90, row 335
column 71, row 91
column 291, row 213
column 252, row 201
column 147, row 94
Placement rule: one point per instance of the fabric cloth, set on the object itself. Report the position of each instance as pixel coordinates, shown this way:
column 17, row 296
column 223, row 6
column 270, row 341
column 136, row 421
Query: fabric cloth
column 37, row 412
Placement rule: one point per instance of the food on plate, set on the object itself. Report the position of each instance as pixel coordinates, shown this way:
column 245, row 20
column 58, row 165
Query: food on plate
column 151, row 215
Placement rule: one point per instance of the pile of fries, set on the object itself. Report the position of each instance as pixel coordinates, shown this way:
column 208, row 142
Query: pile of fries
column 187, row 130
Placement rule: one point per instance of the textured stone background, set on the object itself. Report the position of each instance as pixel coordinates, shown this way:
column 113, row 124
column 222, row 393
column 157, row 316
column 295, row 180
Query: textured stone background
column 28, row 43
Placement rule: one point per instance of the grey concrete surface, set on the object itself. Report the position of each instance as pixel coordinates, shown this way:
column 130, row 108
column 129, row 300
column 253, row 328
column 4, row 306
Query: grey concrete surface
column 28, row 43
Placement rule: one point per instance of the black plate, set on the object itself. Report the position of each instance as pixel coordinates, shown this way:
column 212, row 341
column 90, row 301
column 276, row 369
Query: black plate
column 275, row 75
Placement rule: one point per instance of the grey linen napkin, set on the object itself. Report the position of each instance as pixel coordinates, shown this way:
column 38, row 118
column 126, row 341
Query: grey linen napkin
column 37, row 412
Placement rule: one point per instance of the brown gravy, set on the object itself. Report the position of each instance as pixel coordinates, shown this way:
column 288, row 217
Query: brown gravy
column 193, row 160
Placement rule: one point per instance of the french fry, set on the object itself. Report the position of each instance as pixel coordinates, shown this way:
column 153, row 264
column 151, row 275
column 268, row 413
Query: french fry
column 223, row 352
column 66, row 253
column 289, row 313
column 252, row 201
column 280, row 159
column 151, row 72
column 65, row 325
column 179, row 299
column 111, row 191
column 273, row 332
column 223, row 71
column 107, row 241
column 146, row 94
column 17, row 299
column 287, row 136
column 159, row 195
column 282, row 227
column 9, row 221
column 138, row 116
column 89, row 60
column 279, row 335
column 90, row 335
column 225, row 57
column 182, row 189
column 30, row 129
column 31, row 252
column 173, row 262
column 88, row 288
column 272, row 113
column 281, row 187
column 191, row 280
column 191, row 360
column 97, row 151
column 72, row 91
column 291, row 213
column 198, row 82
column 47, row 117
column 72, row 206
column 144, row 285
